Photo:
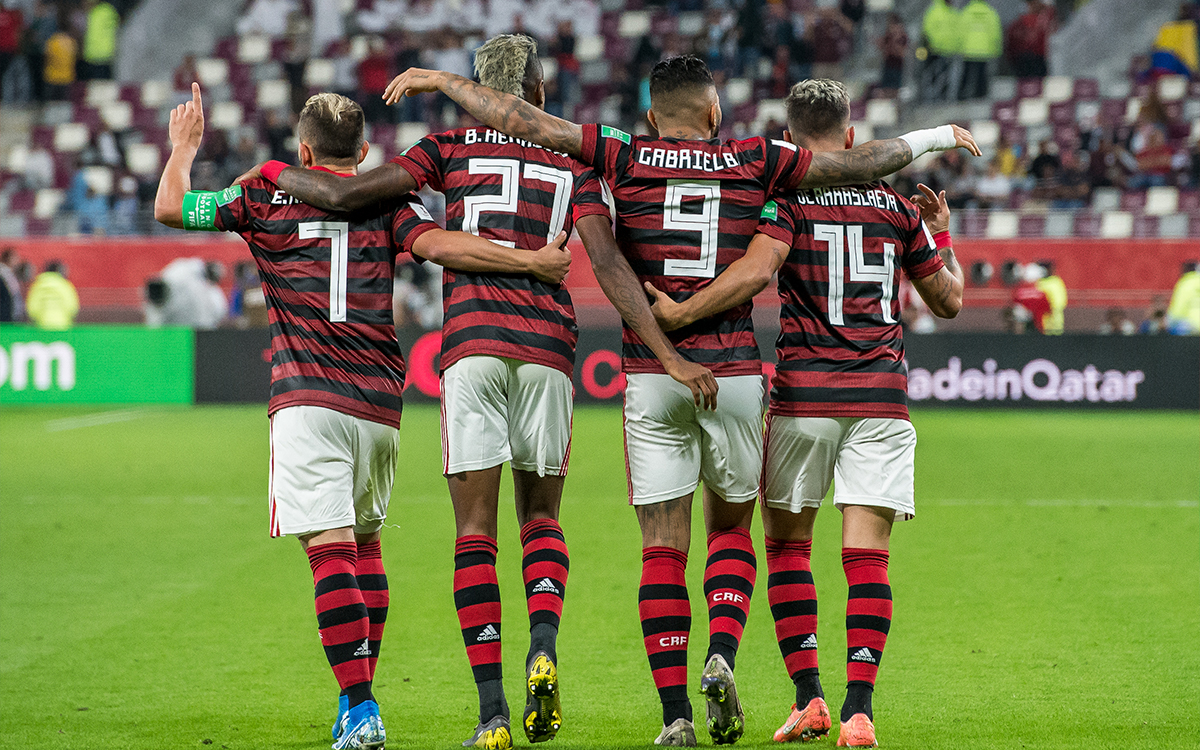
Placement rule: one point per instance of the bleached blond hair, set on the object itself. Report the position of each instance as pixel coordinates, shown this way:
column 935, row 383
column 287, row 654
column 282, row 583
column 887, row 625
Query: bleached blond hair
column 818, row 107
column 509, row 64
column 332, row 126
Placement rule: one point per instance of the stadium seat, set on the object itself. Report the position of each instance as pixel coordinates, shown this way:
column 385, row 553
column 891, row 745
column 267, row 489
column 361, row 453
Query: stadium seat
column 143, row 158
column 1033, row 112
column 155, row 93
column 360, row 47
column 253, row 48
column 99, row 179
column 1115, row 87
column 101, row 92
column 21, row 201
column 375, row 157
column 1062, row 113
column 1195, row 136
column 1058, row 88
column 71, row 136
column 739, row 91
column 225, row 115
column 1112, row 112
column 1029, row 88
column 974, row 223
column 1005, row 112
column 863, row 132
column 1174, row 226
column 13, row 224
column 879, row 112
column 1116, row 225
column 1132, row 107
column 772, row 109
column 319, row 74
column 663, row 25
column 986, row 132
column 408, row 133
column 1001, row 225
column 1031, row 225
column 880, row 6
column 1087, row 88
column 213, row 71
column 1086, row 225
column 1106, row 199
column 1133, row 200
column 691, row 23
column 634, row 24
column 589, row 48
column 549, row 68
column 273, row 94
column 47, row 203
column 1189, row 202
column 1087, row 110
column 1145, row 226
column 1003, row 88
column 596, row 72
column 117, row 115
column 1059, row 224
column 16, row 159
column 1172, row 88
column 1161, row 201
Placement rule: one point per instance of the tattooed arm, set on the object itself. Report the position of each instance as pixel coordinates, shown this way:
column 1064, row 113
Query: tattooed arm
column 620, row 285
column 335, row 193
column 942, row 291
column 503, row 112
column 745, row 277
column 870, row 161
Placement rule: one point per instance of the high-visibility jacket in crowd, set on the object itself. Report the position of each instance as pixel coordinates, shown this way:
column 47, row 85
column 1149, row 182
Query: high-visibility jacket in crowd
column 981, row 33
column 100, row 39
column 1183, row 315
column 941, row 28
column 52, row 302
column 1056, row 294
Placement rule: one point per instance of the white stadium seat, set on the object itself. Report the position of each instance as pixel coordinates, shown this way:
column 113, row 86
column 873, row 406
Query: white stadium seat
column 273, row 94
column 549, row 68
column 156, row 93
column 739, row 91
column 1058, row 88
column 374, row 159
column 46, row 203
column 213, row 71
column 1161, row 201
column 986, row 132
column 16, row 159
column 1172, row 88
column 319, row 74
column 1003, row 88
column 882, row 112
column 863, row 132
column 691, row 24
column 117, row 115
column 1133, row 108
column 101, row 92
column 880, row 6
column 1106, row 199
column 1033, row 112
column 143, row 158
column 1115, row 87
column 589, row 48
column 408, row 133
column 71, row 136
column 253, row 48
column 1002, row 225
column 1174, row 226
column 634, row 24
column 99, row 179
column 1116, row 225
column 360, row 47
column 225, row 115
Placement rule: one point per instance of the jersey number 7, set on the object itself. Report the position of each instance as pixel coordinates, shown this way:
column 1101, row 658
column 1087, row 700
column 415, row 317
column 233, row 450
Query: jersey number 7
column 338, row 233
column 852, row 236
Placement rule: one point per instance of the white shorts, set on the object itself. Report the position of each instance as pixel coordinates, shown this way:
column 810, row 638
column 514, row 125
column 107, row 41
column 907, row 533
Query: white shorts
column 329, row 470
column 870, row 459
column 670, row 444
column 496, row 409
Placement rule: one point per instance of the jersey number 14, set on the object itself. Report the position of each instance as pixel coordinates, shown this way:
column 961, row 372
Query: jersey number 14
column 840, row 238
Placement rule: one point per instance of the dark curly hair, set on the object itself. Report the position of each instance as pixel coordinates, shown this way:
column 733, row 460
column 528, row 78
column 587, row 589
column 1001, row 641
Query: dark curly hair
column 677, row 74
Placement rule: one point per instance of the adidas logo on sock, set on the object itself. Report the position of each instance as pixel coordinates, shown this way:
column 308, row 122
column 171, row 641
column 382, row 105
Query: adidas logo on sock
column 364, row 649
column 545, row 586
column 810, row 641
column 863, row 654
column 489, row 634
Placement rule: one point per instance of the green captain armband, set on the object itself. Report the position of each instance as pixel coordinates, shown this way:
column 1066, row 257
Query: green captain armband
column 200, row 207
column 770, row 211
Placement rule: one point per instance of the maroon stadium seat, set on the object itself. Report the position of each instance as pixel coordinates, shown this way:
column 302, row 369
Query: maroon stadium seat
column 1112, row 111
column 1062, row 113
column 1086, row 224
column 1189, row 202
column 37, row 227
column 1145, row 226
column 42, row 136
column 1133, row 200
column 1028, row 88
column 1031, row 225
column 1005, row 113
column 974, row 223
column 1087, row 88
column 22, row 200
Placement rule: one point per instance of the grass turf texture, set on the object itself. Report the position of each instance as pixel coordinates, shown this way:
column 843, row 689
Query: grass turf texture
column 1046, row 597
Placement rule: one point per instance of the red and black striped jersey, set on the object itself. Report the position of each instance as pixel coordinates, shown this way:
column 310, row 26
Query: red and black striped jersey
column 686, row 210
column 327, row 278
column 517, row 194
column 840, row 347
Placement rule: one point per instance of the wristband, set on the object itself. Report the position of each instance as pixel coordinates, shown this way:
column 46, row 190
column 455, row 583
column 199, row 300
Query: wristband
column 270, row 171
column 942, row 239
column 930, row 139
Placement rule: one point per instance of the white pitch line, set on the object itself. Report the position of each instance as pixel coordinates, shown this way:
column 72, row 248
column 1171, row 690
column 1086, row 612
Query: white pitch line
column 94, row 420
column 1073, row 503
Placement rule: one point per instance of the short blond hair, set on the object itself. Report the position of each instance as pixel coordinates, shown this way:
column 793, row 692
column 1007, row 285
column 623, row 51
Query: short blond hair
column 332, row 126
column 818, row 107
column 509, row 64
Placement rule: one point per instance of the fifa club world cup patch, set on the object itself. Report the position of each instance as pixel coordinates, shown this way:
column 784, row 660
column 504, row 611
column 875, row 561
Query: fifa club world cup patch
column 620, row 135
column 200, row 207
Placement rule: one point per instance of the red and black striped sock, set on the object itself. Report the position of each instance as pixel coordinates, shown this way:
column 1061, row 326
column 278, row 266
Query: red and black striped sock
column 544, row 564
column 868, row 619
column 477, row 598
column 793, row 600
column 372, row 581
column 342, row 618
column 666, row 617
column 729, row 575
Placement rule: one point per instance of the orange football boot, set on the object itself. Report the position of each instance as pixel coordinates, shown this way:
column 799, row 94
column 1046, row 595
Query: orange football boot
column 810, row 724
column 858, row 732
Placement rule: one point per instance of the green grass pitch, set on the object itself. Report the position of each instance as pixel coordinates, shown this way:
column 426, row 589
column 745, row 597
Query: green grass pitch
column 1046, row 596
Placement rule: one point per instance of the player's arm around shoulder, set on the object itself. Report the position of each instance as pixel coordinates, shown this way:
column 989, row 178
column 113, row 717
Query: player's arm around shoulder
column 942, row 291
column 877, row 159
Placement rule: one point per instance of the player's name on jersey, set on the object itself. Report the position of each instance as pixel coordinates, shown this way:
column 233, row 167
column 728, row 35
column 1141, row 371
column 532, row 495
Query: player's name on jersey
column 687, row 158
column 849, row 196
column 499, row 139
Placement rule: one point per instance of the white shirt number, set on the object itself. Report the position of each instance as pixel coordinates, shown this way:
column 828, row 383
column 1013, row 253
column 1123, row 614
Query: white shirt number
column 506, row 201
column 338, row 233
column 706, row 222
column 838, row 238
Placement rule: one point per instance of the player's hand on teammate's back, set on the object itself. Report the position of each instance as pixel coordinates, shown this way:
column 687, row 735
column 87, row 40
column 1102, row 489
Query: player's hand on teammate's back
column 186, row 127
column 696, row 377
column 667, row 311
column 552, row 261
column 934, row 211
column 964, row 139
column 412, row 82
column 251, row 174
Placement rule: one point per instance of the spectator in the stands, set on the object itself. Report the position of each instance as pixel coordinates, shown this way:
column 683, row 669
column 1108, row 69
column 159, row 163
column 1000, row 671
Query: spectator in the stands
column 41, row 26
column 1065, row 186
column 91, row 207
column 943, row 41
column 39, row 168
column 1109, row 165
column 12, row 28
column 1156, row 319
column 125, row 204
column 1008, row 157
column 1117, row 323
column 52, row 302
column 1154, row 162
column 374, row 74
column 100, row 40
column 186, row 73
column 1028, row 39
column 833, row 36
column 894, row 47
column 12, row 302
column 982, row 39
column 267, row 17
column 277, row 132
column 60, row 55
column 1183, row 314
column 994, row 188
column 1047, row 158
column 1055, row 289
column 103, row 150
column 562, row 49
column 954, row 174
column 382, row 15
